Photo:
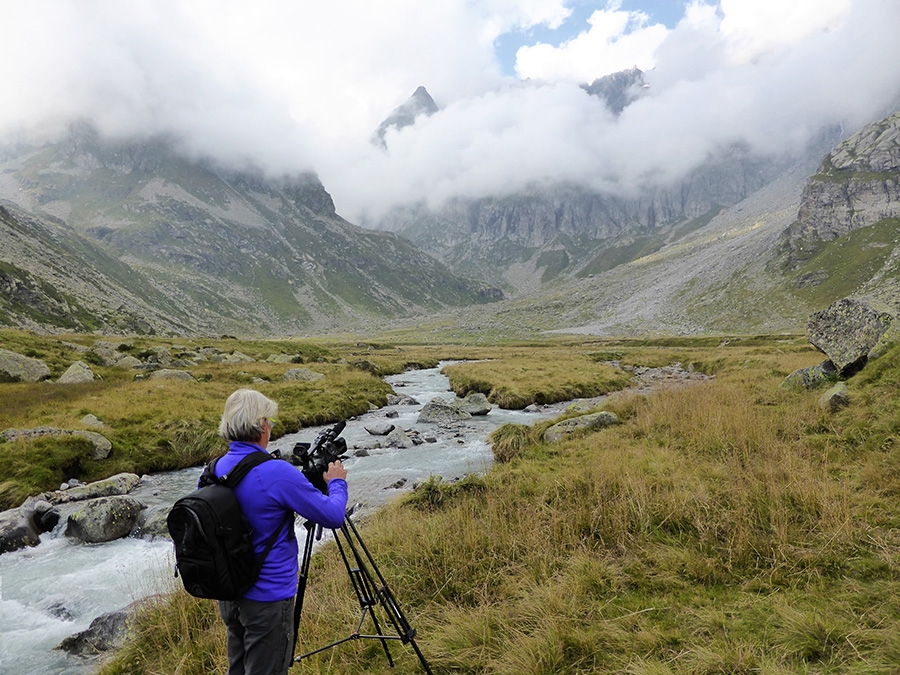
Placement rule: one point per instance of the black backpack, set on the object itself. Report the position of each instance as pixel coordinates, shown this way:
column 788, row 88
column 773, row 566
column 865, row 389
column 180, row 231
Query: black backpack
column 213, row 550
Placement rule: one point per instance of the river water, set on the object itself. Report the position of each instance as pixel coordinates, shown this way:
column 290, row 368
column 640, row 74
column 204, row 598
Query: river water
column 57, row 588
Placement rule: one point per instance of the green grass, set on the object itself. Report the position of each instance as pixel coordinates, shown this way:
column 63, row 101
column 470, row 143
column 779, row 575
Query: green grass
column 845, row 264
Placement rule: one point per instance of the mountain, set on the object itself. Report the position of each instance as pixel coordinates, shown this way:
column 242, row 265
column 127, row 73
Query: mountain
column 189, row 247
column 553, row 233
column 763, row 265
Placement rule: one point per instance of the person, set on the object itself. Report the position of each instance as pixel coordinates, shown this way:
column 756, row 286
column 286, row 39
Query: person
column 261, row 624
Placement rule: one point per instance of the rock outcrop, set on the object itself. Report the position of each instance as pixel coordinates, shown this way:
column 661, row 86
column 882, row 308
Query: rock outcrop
column 578, row 425
column 17, row 368
column 848, row 330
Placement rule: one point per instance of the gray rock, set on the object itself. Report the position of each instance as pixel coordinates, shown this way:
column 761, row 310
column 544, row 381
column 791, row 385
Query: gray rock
column 104, row 519
column 576, row 425
column 439, row 411
column 17, row 530
column 848, row 330
column 170, row 374
column 91, row 420
column 401, row 399
column 302, row 375
column 379, row 429
column 128, row 361
column 17, row 368
column 238, row 357
column 107, row 632
column 283, row 358
column 78, row 373
column 811, row 377
column 151, row 524
column 398, row 439
column 120, row 484
column 102, row 445
column 475, row 404
column 835, row 398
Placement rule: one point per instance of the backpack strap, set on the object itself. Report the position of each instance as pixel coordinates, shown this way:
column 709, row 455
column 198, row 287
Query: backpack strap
column 230, row 480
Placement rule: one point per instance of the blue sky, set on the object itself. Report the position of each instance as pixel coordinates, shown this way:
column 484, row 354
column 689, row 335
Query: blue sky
column 666, row 12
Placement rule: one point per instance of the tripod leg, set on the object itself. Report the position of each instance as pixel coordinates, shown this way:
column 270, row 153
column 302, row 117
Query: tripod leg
column 311, row 529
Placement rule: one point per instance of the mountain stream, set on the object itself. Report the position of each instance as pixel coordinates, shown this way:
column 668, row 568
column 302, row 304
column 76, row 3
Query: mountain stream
column 57, row 588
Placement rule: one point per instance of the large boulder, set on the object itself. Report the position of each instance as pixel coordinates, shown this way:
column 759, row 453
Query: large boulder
column 17, row 530
column 102, row 445
column 78, row 373
column 17, row 368
column 120, row 484
column 811, row 377
column 475, row 404
column 106, row 632
column 439, row 411
column 398, row 438
column 848, row 330
column 302, row 375
column 104, row 519
column 577, row 425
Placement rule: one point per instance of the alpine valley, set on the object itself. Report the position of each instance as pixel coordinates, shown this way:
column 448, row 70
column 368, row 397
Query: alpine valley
column 129, row 236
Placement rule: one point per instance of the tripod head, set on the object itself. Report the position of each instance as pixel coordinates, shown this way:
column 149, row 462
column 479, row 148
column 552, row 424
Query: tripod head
column 314, row 458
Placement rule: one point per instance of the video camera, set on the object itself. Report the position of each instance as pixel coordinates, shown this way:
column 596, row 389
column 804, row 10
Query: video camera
column 313, row 459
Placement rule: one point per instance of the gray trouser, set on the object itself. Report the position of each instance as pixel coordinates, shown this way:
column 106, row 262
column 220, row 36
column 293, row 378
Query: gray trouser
column 260, row 636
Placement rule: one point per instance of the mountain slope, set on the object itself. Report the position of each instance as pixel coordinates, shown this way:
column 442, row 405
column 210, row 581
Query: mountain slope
column 233, row 252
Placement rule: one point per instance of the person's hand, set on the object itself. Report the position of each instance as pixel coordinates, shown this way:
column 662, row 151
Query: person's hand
column 335, row 470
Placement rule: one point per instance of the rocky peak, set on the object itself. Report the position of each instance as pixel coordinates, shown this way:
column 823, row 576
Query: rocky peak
column 404, row 115
column 618, row 90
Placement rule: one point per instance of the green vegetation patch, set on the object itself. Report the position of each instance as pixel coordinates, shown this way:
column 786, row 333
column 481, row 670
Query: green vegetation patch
column 841, row 266
column 614, row 255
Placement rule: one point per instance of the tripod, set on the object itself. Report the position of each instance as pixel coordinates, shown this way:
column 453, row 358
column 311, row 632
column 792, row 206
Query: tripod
column 363, row 574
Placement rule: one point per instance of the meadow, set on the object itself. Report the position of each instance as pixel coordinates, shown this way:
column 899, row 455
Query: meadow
column 727, row 526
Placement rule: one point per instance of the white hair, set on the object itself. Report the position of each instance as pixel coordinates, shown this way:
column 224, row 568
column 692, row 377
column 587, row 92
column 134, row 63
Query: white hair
column 244, row 413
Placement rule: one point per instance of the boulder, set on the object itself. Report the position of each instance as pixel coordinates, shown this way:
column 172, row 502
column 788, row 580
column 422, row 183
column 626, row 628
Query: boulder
column 120, row 484
column 104, row 519
column 151, row 524
column 379, row 429
column 17, row 368
column 17, row 530
column 302, row 375
column 848, row 330
column 811, row 377
column 398, row 439
column 102, row 445
column 238, row 357
column 835, row 398
column 401, row 399
column 439, row 411
column 91, row 420
column 129, row 361
column 576, row 425
column 475, row 404
column 107, row 632
column 172, row 374
column 78, row 373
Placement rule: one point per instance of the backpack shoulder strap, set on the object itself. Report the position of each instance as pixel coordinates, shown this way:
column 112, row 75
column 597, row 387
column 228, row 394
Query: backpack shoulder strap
column 237, row 473
column 242, row 468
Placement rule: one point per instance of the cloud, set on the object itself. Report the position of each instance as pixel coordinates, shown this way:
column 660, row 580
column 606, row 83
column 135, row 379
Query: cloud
column 295, row 86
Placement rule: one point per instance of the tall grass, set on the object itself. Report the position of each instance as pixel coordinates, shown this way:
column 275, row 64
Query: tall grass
column 722, row 527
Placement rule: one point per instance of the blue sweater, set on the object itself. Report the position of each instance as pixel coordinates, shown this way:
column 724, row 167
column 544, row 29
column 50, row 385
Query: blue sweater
column 267, row 494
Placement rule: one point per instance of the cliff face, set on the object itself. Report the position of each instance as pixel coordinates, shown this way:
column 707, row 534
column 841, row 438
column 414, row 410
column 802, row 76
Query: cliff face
column 857, row 185
column 209, row 250
column 566, row 227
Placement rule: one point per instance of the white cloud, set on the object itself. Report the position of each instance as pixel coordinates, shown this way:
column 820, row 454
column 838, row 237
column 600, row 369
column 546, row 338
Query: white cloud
column 616, row 40
column 293, row 86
